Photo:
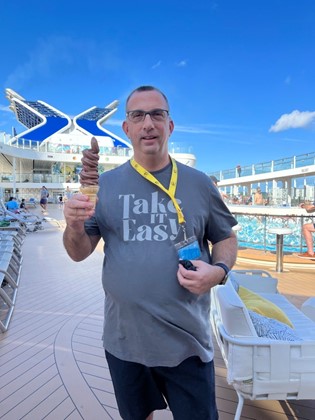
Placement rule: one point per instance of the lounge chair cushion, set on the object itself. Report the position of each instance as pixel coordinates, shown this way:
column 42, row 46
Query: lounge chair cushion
column 234, row 313
column 271, row 328
column 260, row 367
column 256, row 283
column 262, row 306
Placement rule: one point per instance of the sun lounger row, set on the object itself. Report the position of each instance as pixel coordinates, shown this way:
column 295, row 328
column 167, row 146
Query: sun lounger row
column 11, row 259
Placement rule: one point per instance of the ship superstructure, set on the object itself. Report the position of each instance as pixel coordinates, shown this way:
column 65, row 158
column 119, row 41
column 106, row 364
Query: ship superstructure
column 49, row 151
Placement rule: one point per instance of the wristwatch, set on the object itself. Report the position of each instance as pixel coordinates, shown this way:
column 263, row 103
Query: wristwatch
column 226, row 269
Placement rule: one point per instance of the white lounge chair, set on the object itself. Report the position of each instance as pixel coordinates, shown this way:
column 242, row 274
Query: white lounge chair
column 261, row 368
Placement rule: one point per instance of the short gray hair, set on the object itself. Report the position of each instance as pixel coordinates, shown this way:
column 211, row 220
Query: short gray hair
column 147, row 89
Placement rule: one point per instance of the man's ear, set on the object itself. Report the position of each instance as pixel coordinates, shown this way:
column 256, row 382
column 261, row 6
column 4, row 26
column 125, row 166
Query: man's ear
column 171, row 126
column 125, row 128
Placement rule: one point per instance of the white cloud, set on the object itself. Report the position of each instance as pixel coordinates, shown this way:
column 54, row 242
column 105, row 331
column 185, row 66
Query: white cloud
column 5, row 108
column 156, row 65
column 114, row 122
column 59, row 55
column 297, row 119
column 195, row 130
column 42, row 60
column 182, row 63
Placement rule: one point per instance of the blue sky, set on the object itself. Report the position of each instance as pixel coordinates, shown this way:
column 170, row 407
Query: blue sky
column 239, row 75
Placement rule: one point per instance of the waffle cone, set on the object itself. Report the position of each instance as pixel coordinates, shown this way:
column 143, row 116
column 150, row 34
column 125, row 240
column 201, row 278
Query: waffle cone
column 91, row 191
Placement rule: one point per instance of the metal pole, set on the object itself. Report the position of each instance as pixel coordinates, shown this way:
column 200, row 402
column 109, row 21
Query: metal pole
column 279, row 265
column 14, row 176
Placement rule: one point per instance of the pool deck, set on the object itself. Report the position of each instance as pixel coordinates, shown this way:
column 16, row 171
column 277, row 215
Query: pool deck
column 52, row 364
column 291, row 262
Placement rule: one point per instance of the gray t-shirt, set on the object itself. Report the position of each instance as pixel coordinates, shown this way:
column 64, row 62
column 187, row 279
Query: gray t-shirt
column 44, row 193
column 149, row 317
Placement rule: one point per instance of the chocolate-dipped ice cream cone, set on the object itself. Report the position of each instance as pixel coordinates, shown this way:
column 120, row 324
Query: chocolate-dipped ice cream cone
column 89, row 174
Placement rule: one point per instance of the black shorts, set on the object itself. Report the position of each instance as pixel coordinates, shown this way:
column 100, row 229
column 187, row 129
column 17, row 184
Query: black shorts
column 188, row 389
column 43, row 201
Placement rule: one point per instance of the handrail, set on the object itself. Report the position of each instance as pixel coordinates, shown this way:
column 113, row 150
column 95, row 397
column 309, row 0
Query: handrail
column 292, row 162
column 62, row 147
column 73, row 149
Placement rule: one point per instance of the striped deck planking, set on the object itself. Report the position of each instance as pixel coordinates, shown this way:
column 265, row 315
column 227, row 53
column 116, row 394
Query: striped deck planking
column 52, row 364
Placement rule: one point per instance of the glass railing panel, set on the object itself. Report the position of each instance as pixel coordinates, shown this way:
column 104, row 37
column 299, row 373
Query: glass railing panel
column 261, row 168
column 246, row 171
column 266, row 167
column 254, row 232
column 305, row 160
column 228, row 174
column 282, row 164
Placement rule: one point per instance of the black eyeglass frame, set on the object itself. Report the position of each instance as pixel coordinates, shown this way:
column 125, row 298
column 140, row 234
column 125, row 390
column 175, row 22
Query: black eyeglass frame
column 145, row 113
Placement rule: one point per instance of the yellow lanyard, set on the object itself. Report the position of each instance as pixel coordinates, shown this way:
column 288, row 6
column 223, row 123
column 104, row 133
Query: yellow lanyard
column 171, row 189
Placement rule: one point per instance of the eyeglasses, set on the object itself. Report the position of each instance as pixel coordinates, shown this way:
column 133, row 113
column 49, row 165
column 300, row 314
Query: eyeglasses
column 138, row 115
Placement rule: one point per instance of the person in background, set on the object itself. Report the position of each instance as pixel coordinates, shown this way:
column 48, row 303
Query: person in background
column 60, row 201
column 258, row 197
column 23, row 205
column 215, row 181
column 68, row 193
column 12, row 205
column 307, row 231
column 44, row 194
column 239, row 170
column 249, row 200
column 152, row 212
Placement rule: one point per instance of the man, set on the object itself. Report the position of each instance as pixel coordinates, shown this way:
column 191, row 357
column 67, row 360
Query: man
column 157, row 335
column 44, row 194
column 12, row 205
column 307, row 231
column 258, row 197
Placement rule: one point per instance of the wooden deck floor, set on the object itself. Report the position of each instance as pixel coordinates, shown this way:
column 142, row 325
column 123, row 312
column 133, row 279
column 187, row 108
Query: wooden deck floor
column 52, row 364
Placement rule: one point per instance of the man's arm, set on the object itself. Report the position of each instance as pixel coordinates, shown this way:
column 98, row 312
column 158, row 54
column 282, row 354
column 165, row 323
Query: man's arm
column 225, row 251
column 78, row 244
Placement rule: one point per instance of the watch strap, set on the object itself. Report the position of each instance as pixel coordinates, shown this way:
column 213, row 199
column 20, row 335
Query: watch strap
column 225, row 268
